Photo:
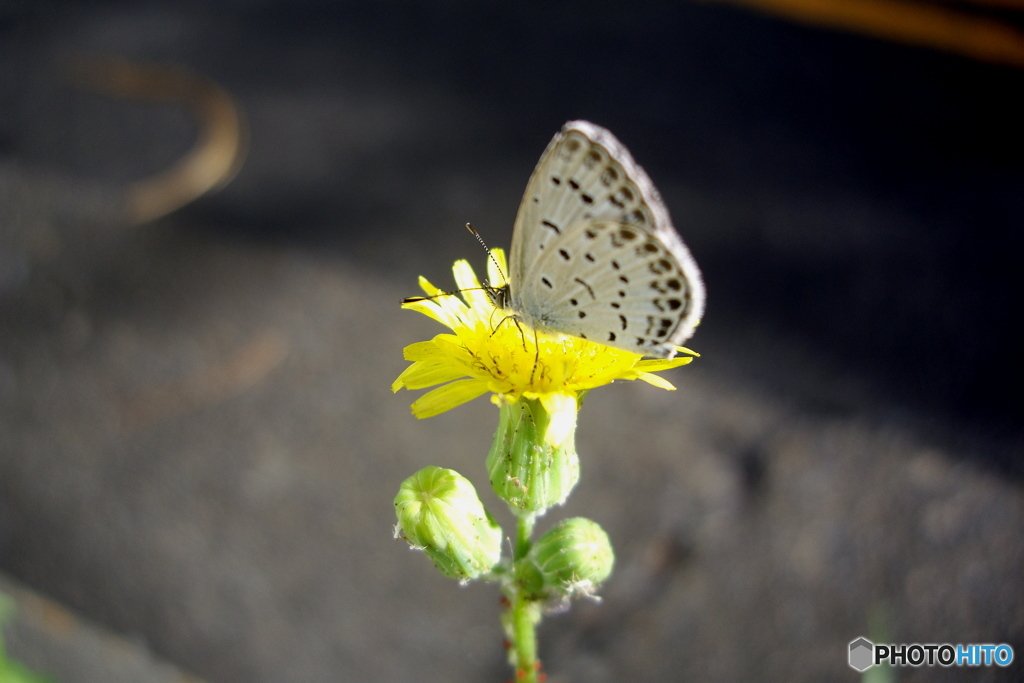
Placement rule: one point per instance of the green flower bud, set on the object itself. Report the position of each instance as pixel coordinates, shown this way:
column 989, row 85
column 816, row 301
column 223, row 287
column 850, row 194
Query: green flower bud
column 532, row 462
column 573, row 557
column 439, row 512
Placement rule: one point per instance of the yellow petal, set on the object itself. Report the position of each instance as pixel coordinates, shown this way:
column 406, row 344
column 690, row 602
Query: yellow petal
column 431, row 309
column 428, row 287
column 423, row 375
column 424, row 350
column 658, row 364
column 447, row 397
column 562, row 409
column 451, row 348
column 656, row 380
column 465, row 277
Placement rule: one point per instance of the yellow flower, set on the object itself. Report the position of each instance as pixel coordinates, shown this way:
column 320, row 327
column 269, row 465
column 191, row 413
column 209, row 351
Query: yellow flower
column 489, row 350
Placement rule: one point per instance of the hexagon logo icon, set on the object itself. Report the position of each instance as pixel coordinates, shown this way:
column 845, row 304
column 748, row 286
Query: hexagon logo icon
column 862, row 653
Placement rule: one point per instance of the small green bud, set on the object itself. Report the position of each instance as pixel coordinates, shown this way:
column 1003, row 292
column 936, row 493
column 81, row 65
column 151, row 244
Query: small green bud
column 575, row 556
column 532, row 462
column 438, row 511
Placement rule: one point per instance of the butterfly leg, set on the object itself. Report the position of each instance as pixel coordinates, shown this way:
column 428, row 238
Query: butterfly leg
column 536, row 355
column 515, row 321
column 522, row 336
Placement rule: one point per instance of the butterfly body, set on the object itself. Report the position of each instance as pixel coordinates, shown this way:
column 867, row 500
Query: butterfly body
column 594, row 253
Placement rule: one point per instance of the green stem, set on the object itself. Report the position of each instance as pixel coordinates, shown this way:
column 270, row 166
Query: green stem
column 523, row 614
column 524, row 529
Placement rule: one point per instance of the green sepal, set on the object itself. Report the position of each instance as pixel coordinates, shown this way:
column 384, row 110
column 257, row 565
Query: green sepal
column 526, row 470
column 439, row 512
column 573, row 557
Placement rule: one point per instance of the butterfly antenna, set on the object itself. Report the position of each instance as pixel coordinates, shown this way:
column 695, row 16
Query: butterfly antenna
column 489, row 255
column 495, row 293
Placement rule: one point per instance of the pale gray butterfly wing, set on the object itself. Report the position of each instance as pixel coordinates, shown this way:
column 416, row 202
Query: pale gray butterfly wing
column 594, row 253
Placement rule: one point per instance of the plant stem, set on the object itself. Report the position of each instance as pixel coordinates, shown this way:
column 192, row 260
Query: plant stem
column 523, row 614
column 524, row 528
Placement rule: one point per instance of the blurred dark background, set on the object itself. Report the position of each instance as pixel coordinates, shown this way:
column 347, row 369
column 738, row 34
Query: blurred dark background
column 860, row 195
column 855, row 205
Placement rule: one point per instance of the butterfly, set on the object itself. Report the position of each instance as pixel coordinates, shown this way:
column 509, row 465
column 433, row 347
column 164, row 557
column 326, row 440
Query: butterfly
column 594, row 253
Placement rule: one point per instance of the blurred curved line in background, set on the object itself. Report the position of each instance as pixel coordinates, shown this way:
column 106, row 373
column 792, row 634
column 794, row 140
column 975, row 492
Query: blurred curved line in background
column 987, row 32
column 211, row 163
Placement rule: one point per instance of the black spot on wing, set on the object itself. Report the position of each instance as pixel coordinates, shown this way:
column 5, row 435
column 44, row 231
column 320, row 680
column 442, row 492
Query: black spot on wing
column 589, row 289
column 622, row 237
column 665, row 326
column 660, row 266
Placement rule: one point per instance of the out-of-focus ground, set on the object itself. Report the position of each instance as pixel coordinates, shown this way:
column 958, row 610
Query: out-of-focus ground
column 47, row 636
column 198, row 444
